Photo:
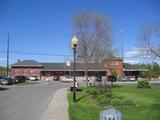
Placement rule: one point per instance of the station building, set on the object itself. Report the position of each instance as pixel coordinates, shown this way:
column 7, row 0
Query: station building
column 41, row 70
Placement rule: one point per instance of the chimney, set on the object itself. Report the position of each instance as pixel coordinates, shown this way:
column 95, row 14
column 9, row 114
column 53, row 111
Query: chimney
column 18, row 60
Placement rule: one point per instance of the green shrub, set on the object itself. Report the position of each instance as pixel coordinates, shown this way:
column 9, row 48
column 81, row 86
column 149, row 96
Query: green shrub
column 117, row 96
column 92, row 91
column 122, row 102
column 88, row 91
column 116, row 102
column 143, row 84
column 108, row 94
column 102, row 100
column 128, row 102
column 102, row 90
column 94, row 96
column 101, row 97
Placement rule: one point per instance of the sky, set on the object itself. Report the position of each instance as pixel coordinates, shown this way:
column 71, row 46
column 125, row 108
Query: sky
column 45, row 26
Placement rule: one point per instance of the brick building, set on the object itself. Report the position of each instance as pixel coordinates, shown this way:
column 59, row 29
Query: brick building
column 33, row 68
column 26, row 68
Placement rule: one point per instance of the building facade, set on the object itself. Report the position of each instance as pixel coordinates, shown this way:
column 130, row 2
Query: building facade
column 41, row 70
column 33, row 68
column 26, row 68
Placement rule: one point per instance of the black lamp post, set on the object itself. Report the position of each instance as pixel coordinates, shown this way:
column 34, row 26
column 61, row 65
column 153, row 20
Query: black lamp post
column 74, row 43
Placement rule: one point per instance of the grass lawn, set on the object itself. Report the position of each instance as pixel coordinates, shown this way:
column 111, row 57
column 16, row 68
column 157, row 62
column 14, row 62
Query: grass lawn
column 26, row 83
column 147, row 104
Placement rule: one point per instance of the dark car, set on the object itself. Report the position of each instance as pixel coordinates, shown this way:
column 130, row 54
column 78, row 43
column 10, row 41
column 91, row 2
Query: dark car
column 1, row 78
column 56, row 78
column 111, row 78
column 7, row 81
column 98, row 78
column 20, row 79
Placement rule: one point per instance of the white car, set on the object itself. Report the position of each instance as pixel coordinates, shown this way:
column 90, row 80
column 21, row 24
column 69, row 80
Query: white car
column 67, row 79
column 132, row 79
column 33, row 78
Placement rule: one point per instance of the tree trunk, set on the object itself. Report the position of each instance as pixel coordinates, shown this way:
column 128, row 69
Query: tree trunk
column 86, row 77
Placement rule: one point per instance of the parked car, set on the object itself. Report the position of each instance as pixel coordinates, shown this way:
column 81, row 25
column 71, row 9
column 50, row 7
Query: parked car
column 7, row 81
column 123, row 79
column 33, row 78
column 1, row 78
column 56, row 78
column 67, row 79
column 111, row 78
column 98, row 78
column 20, row 79
column 132, row 78
column 87, row 78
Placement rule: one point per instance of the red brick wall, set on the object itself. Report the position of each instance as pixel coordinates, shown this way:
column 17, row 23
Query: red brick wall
column 115, row 64
column 25, row 71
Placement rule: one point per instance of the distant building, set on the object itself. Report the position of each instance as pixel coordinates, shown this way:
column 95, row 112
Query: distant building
column 27, row 68
column 33, row 68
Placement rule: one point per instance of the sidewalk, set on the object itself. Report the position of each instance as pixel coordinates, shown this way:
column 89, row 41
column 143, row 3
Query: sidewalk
column 58, row 108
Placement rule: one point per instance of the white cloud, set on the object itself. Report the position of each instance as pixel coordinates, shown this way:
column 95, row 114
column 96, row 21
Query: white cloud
column 136, row 52
column 134, row 56
column 132, row 61
column 137, row 55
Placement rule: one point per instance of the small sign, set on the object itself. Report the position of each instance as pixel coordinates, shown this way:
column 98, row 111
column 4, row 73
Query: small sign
column 68, row 63
column 110, row 114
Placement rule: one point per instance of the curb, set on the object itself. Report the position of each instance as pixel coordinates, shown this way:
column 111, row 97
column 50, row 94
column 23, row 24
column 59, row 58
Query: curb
column 58, row 107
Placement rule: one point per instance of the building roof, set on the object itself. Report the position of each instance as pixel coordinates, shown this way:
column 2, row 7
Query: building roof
column 114, row 58
column 130, row 67
column 27, row 63
column 63, row 66
column 79, row 66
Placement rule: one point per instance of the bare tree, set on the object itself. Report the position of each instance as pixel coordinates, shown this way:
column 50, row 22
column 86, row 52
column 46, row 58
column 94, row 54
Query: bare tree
column 151, row 41
column 94, row 33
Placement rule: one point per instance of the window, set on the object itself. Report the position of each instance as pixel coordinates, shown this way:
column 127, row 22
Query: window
column 114, row 63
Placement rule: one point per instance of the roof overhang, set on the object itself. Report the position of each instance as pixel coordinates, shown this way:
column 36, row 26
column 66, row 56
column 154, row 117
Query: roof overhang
column 145, row 70
column 26, row 66
column 67, row 70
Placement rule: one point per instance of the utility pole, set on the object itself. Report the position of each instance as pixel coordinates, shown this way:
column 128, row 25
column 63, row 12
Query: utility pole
column 8, row 55
column 122, row 52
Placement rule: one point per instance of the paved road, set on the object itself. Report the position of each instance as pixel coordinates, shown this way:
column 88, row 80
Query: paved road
column 27, row 102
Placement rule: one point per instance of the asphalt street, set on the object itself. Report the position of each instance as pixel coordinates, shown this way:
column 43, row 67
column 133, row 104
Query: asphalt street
column 30, row 102
column 26, row 102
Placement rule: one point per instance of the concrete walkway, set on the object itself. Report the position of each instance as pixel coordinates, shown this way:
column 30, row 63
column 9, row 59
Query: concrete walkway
column 58, row 108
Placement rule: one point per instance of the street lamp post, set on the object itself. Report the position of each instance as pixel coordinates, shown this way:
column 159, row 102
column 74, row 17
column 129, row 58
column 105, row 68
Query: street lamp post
column 74, row 43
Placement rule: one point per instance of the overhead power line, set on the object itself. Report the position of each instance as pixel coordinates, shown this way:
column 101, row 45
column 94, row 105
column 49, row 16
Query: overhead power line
column 30, row 53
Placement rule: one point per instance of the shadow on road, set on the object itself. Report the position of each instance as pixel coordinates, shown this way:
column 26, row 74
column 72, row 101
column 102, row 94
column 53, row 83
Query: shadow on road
column 3, row 88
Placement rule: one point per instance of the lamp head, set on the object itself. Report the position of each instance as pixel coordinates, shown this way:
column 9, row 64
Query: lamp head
column 74, row 42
